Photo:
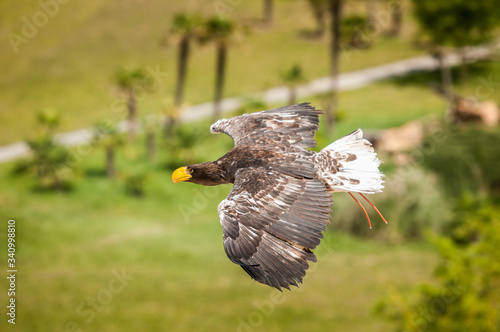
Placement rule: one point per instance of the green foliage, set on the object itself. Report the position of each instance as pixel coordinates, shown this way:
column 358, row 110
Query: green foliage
column 181, row 145
column 466, row 298
column 218, row 30
column 293, row 75
column 320, row 12
column 412, row 203
column 465, row 159
column 457, row 22
column 107, row 135
column 48, row 120
column 132, row 78
column 135, row 183
column 48, row 163
column 186, row 24
column 356, row 32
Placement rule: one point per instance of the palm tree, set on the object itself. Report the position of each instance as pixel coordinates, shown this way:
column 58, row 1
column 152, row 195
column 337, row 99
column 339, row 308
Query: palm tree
column 110, row 138
column 129, row 81
column 185, row 28
column 336, row 16
column 220, row 32
column 292, row 77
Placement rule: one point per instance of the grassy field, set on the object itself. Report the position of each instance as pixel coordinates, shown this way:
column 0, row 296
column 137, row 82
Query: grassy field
column 71, row 246
column 97, row 259
column 69, row 63
column 167, row 245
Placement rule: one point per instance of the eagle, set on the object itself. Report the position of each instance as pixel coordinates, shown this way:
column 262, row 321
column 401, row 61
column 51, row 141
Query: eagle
column 280, row 203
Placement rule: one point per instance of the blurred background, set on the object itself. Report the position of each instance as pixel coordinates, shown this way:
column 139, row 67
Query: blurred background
column 101, row 101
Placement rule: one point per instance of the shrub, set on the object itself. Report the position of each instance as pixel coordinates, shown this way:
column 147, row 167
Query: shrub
column 134, row 184
column 465, row 160
column 48, row 163
column 412, row 202
column 466, row 298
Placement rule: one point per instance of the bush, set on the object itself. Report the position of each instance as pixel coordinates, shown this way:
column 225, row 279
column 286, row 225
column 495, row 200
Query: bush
column 356, row 32
column 134, row 184
column 412, row 203
column 466, row 160
column 48, row 163
column 466, row 298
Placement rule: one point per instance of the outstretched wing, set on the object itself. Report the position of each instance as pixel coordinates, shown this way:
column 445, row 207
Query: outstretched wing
column 271, row 221
column 287, row 126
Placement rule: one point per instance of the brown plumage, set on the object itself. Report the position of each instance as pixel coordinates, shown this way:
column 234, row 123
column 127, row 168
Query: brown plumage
column 281, row 199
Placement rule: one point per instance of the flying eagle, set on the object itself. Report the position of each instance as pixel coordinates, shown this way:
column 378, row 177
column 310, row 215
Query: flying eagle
column 281, row 199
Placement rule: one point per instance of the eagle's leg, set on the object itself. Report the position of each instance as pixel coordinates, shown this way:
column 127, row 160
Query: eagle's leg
column 373, row 206
column 366, row 213
column 364, row 210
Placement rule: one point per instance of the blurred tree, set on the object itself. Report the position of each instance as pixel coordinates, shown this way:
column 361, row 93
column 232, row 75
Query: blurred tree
column 220, row 32
column 48, row 120
column 171, row 115
column 49, row 160
column 292, row 77
column 268, row 12
column 130, row 81
column 335, row 40
column 180, row 147
column 456, row 23
column 108, row 136
column 320, row 11
column 354, row 32
column 396, row 17
column 135, row 183
column 150, row 126
column 185, row 28
column 467, row 150
column 371, row 15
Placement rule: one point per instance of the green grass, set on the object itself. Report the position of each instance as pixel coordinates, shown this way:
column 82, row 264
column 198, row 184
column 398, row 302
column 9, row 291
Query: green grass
column 68, row 246
column 170, row 241
column 69, row 64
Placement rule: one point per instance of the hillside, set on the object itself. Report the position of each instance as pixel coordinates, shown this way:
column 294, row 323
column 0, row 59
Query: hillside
column 68, row 63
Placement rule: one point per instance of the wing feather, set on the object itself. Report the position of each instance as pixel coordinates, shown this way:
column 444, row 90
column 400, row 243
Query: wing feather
column 290, row 127
column 270, row 223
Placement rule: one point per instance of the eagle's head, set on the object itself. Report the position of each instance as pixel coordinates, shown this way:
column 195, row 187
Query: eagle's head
column 207, row 174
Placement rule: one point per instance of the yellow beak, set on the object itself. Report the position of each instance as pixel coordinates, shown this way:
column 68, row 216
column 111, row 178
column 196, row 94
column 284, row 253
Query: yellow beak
column 180, row 174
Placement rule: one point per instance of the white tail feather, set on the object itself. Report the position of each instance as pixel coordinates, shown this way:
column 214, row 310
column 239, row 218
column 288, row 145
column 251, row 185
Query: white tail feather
column 350, row 164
